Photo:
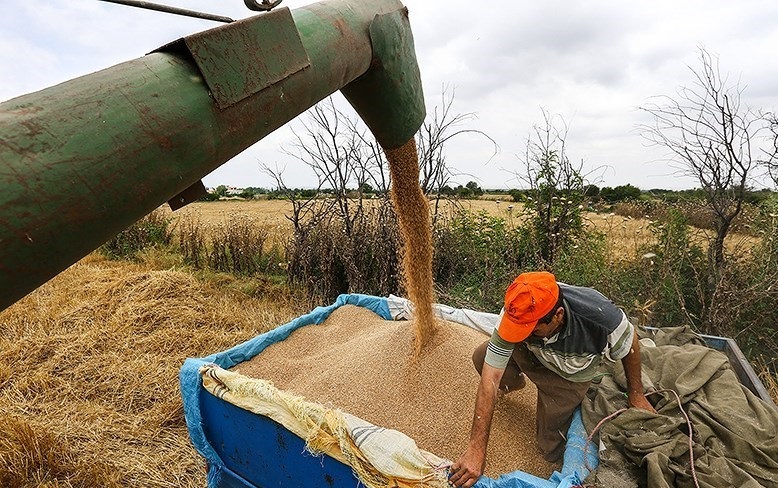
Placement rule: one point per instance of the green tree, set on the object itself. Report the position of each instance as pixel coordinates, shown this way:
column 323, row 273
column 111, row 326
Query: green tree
column 591, row 191
column 516, row 195
column 474, row 188
column 620, row 193
column 556, row 189
column 463, row 192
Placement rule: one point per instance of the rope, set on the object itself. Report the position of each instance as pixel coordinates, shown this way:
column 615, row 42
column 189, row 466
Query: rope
column 689, row 425
column 594, row 431
column 622, row 410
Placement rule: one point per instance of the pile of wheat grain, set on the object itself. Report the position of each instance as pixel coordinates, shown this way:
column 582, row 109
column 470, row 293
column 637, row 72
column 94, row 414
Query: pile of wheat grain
column 362, row 364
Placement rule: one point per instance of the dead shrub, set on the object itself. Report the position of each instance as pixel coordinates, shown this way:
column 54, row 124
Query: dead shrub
column 329, row 255
column 153, row 229
column 237, row 246
column 191, row 242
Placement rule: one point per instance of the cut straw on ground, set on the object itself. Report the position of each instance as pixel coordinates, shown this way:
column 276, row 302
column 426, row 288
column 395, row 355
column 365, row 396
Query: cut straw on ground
column 89, row 374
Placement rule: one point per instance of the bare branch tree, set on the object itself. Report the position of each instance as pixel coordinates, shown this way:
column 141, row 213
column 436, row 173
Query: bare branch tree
column 372, row 165
column 342, row 152
column 713, row 137
column 771, row 161
column 438, row 129
column 304, row 210
column 334, row 153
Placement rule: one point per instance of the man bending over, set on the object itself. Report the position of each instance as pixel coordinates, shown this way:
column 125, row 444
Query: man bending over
column 556, row 335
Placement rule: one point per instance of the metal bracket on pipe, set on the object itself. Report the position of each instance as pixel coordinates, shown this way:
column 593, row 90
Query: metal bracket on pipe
column 265, row 6
column 191, row 194
column 228, row 56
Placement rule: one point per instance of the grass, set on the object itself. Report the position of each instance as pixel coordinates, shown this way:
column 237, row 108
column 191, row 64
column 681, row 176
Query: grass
column 770, row 382
column 625, row 235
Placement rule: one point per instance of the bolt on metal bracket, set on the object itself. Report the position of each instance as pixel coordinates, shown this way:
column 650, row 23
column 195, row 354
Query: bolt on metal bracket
column 264, row 6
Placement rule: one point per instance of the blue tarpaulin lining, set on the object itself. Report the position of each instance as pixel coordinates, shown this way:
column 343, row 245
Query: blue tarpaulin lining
column 574, row 467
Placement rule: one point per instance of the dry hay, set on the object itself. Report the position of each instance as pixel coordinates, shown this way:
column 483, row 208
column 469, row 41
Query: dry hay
column 89, row 374
column 628, row 237
column 209, row 218
column 625, row 236
column 414, row 217
column 362, row 364
column 769, row 379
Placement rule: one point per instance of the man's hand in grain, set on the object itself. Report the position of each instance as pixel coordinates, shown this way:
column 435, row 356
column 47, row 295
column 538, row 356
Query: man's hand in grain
column 466, row 471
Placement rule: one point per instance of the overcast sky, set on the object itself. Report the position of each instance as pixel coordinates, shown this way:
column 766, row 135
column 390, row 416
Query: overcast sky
column 591, row 62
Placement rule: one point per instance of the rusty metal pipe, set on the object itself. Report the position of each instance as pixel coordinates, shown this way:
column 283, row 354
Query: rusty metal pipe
column 83, row 160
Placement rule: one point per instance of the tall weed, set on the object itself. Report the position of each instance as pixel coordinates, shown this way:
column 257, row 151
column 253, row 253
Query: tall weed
column 476, row 256
column 237, row 247
column 747, row 298
column 674, row 270
column 153, row 229
column 191, row 242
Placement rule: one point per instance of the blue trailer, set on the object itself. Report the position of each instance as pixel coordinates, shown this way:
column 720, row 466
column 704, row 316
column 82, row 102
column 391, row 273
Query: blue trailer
column 244, row 449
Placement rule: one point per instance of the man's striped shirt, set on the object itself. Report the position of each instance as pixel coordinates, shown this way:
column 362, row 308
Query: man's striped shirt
column 594, row 328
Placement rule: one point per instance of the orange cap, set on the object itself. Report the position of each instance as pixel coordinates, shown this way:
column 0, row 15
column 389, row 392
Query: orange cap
column 529, row 298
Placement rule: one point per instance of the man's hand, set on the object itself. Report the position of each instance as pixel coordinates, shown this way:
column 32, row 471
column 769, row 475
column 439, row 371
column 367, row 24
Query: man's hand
column 468, row 468
column 638, row 400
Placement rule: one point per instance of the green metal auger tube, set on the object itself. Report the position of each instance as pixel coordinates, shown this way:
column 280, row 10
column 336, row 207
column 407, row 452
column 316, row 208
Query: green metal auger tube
column 83, row 160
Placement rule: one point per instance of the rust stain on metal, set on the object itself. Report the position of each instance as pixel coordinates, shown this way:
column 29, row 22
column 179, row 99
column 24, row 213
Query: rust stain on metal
column 25, row 109
column 340, row 25
column 33, row 128
column 152, row 124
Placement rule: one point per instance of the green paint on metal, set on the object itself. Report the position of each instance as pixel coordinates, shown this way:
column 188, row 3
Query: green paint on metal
column 247, row 56
column 389, row 97
column 77, row 169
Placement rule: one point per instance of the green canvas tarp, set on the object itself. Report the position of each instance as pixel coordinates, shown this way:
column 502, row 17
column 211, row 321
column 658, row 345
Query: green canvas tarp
column 734, row 433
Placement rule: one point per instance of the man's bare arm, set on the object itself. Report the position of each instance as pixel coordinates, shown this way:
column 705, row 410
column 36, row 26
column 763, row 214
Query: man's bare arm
column 470, row 465
column 632, row 369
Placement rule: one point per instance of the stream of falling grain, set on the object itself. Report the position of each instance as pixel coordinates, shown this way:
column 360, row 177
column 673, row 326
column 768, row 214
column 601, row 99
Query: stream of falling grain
column 414, row 218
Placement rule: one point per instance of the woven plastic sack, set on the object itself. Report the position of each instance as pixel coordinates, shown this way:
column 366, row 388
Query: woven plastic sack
column 379, row 457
